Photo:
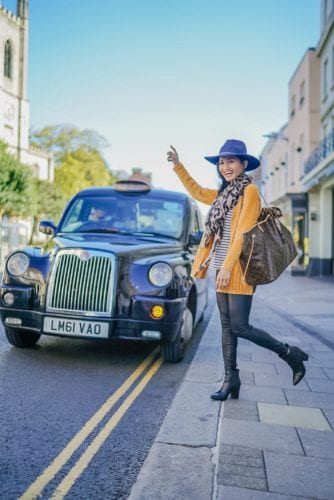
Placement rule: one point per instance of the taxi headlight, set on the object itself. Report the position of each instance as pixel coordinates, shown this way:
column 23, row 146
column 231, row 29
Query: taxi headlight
column 18, row 263
column 160, row 274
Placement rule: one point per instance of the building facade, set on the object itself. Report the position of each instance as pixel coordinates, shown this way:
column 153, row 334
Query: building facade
column 284, row 154
column 318, row 178
column 14, row 104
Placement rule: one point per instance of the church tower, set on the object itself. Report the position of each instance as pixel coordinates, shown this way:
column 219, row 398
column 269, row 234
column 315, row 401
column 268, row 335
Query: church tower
column 23, row 111
column 14, row 104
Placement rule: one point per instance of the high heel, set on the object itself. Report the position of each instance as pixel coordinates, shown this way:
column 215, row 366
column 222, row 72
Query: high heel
column 230, row 387
column 235, row 392
column 295, row 357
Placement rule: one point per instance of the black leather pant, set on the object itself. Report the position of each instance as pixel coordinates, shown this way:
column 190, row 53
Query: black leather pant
column 234, row 315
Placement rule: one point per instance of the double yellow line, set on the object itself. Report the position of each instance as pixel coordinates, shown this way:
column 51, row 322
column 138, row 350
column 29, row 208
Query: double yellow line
column 36, row 488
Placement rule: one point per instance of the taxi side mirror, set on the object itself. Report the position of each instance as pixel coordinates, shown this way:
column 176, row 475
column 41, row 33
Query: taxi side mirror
column 47, row 227
column 195, row 238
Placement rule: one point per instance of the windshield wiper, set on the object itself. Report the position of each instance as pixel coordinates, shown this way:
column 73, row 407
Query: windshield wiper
column 152, row 233
column 111, row 230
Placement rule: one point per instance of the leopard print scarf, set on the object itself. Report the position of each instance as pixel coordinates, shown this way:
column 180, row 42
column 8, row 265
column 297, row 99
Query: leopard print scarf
column 224, row 202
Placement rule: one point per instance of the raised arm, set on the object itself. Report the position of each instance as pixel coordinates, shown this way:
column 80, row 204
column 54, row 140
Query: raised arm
column 204, row 195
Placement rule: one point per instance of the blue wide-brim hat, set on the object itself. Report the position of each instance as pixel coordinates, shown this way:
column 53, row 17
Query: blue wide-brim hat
column 234, row 147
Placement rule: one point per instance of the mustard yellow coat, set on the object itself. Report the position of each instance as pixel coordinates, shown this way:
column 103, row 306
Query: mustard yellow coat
column 244, row 217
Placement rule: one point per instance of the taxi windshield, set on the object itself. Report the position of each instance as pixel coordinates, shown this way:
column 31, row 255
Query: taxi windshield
column 128, row 215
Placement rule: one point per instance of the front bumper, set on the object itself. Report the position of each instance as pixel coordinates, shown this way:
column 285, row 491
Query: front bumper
column 137, row 325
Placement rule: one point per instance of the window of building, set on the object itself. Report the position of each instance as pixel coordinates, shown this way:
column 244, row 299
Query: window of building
column 8, row 63
column 328, row 9
column 293, row 106
column 301, row 156
column 301, row 94
column 325, row 80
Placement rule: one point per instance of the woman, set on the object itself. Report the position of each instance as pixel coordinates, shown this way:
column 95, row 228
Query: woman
column 234, row 210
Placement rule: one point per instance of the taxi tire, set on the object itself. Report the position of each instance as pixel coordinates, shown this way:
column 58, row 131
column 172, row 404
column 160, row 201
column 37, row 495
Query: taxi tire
column 173, row 352
column 21, row 338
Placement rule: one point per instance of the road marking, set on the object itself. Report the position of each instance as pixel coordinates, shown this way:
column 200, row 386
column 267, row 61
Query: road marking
column 36, row 488
column 85, row 459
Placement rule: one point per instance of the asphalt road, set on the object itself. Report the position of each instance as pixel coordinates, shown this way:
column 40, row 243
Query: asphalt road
column 78, row 417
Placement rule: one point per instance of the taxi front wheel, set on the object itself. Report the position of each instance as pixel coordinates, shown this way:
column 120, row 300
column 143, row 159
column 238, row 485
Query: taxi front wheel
column 173, row 352
column 21, row 338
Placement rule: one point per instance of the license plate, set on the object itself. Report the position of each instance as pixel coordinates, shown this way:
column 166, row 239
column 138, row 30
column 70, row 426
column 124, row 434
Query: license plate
column 75, row 327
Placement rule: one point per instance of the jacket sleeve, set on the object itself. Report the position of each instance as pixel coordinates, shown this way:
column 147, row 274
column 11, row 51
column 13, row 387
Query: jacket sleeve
column 204, row 195
column 249, row 214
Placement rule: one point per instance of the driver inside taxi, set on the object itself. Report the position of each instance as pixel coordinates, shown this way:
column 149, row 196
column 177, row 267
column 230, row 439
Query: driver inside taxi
column 98, row 214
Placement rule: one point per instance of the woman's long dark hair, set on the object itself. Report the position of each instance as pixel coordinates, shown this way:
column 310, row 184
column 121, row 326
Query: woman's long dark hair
column 224, row 182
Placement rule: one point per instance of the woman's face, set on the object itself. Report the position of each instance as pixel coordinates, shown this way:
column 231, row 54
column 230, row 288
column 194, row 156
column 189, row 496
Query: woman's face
column 230, row 167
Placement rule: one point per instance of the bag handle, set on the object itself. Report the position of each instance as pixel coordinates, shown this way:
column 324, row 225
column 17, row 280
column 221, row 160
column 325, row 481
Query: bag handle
column 265, row 201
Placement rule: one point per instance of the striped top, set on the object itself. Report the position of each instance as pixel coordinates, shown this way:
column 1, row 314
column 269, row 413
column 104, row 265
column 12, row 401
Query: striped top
column 220, row 252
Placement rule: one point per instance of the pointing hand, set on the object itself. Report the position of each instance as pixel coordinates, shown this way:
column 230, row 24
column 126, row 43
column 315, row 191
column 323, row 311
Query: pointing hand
column 173, row 156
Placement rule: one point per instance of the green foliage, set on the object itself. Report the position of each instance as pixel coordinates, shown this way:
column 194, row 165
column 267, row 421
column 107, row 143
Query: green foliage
column 62, row 139
column 80, row 169
column 15, row 184
column 50, row 200
column 78, row 157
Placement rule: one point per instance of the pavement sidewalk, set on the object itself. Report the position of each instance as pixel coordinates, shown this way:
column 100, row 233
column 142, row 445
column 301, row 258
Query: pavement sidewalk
column 277, row 440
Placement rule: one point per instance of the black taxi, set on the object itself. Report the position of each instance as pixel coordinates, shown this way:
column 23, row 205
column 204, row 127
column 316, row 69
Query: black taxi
column 117, row 266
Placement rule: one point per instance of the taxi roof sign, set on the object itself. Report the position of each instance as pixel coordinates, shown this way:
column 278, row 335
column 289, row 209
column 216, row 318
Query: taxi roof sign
column 132, row 186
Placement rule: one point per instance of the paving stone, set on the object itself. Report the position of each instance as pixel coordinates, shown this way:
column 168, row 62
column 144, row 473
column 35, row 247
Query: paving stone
column 293, row 416
column 317, row 347
column 241, row 470
column 329, row 372
column 317, row 443
column 246, row 378
column 315, row 372
column 234, row 493
column 242, row 451
column 263, row 355
column 251, row 366
column 192, row 418
column 241, row 460
column 282, row 380
column 189, row 473
column 323, row 357
column 244, row 356
column 310, row 399
column 322, row 363
column 241, row 410
column 207, row 366
column 262, row 436
column 262, row 394
column 243, row 481
column 307, row 476
column 317, row 385
column 240, row 456
column 329, row 414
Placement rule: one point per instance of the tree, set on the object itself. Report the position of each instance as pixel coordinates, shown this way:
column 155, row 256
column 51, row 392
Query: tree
column 50, row 202
column 78, row 157
column 80, row 169
column 16, row 196
column 62, row 139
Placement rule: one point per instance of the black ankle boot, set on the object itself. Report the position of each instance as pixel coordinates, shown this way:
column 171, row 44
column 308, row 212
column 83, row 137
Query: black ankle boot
column 295, row 357
column 231, row 386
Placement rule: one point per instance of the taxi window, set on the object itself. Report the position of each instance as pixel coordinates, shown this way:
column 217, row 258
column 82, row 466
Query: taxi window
column 140, row 214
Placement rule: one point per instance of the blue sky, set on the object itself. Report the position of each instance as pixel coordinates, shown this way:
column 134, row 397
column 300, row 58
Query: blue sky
column 149, row 73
